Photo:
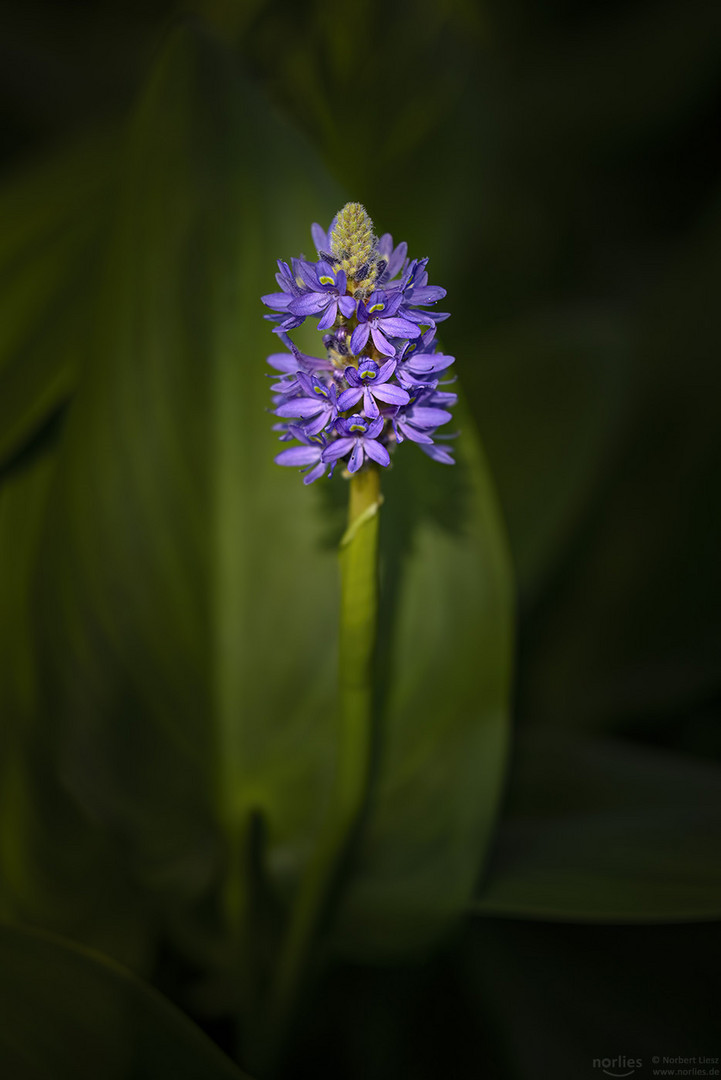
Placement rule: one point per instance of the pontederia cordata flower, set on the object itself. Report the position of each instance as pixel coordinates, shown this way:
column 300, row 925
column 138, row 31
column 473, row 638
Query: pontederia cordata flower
column 380, row 383
column 382, row 370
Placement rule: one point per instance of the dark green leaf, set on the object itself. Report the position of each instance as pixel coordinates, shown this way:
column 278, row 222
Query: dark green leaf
column 57, row 868
column 55, row 218
column 602, row 830
column 69, row 1014
column 187, row 615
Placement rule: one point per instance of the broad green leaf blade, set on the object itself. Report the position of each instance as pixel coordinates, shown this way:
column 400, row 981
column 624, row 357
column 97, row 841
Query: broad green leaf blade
column 445, row 655
column 187, row 613
column 54, row 220
column 57, row 869
column 600, row 830
column 69, row 1014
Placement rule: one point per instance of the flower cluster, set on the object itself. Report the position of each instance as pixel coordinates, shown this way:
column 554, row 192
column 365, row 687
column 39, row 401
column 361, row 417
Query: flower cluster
column 379, row 381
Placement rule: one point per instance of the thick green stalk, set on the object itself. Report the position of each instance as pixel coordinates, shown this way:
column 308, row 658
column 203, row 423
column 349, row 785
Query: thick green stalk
column 358, row 619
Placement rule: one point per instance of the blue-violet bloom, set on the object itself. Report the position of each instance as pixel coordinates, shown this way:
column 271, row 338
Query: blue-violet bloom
column 358, row 437
column 370, row 382
column 370, row 302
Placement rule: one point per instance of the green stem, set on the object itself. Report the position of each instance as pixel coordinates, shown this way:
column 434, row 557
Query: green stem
column 358, row 619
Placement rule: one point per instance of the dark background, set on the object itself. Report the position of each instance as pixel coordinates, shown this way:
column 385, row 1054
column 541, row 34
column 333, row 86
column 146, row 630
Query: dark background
column 561, row 164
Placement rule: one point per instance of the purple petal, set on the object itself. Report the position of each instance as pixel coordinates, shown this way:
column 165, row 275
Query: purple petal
column 315, row 473
column 285, row 276
column 313, row 427
column 352, row 376
column 298, row 455
column 290, row 323
column 308, row 274
column 385, row 372
column 299, row 434
column 341, row 425
column 393, row 302
column 413, row 433
column 439, row 453
column 347, row 305
column 330, row 316
column 306, row 384
column 320, row 238
column 426, row 417
column 349, row 397
column 279, row 301
column 375, row 428
column 380, row 341
column 398, row 327
column 283, row 362
column 359, row 338
column 411, row 382
column 309, row 304
column 316, row 363
column 394, row 395
column 445, row 398
column 427, row 294
column 356, row 458
column 324, row 269
column 304, row 406
column 369, row 406
column 425, row 364
column 396, row 260
column 378, row 452
column 337, row 449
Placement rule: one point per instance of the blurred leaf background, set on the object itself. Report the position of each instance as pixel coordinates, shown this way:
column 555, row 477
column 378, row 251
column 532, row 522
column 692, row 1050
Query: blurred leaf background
column 561, row 166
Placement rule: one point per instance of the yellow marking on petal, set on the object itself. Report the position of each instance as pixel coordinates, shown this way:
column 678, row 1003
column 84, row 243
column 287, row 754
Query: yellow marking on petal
column 376, row 307
column 325, row 280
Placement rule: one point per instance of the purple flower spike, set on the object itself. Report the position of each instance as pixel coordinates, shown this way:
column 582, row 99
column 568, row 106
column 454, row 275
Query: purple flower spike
column 370, row 303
